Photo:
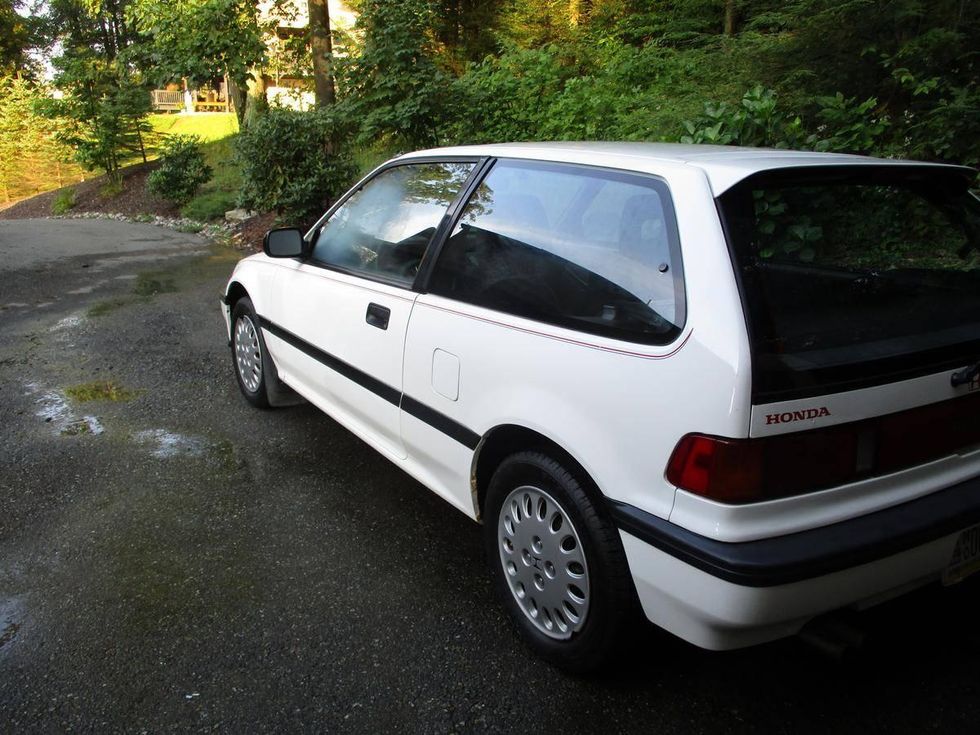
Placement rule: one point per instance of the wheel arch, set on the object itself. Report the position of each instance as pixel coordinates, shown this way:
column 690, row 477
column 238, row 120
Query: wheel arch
column 235, row 292
column 501, row 441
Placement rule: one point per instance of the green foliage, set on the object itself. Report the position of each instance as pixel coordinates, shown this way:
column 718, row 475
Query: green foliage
column 105, row 100
column 290, row 163
column 219, row 194
column 63, row 201
column 842, row 125
column 853, row 127
column 200, row 39
column 31, row 158
column 209, row 206
column 391, row 86
column 182, row 170
column 755, row 121
column 14, row 37
column 506, row 98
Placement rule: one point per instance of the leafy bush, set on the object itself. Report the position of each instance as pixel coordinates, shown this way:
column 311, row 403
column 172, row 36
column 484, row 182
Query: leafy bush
column 849, row 126
column 182, row 170
column 290, row 163
column 756, row 121
column 391, row 86
column 843, row 125
column 64, row 200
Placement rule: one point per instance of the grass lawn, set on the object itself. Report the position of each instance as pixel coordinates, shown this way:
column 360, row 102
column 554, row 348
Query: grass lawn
column 207, row 126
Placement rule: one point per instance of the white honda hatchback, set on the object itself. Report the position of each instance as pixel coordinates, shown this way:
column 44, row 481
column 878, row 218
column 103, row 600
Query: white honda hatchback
column 739, row 387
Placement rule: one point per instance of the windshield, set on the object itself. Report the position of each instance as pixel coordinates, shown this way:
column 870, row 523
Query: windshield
column 855, row 276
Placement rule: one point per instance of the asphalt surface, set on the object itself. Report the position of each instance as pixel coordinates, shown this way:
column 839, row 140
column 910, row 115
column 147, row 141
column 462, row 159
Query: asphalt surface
column 178, row 561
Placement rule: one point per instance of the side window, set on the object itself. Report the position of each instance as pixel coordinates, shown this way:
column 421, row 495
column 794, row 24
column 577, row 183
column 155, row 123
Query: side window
column 384, row 229
column 579, row 247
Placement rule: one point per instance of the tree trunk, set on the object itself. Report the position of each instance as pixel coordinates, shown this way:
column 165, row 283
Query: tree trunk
column 139, row 136
column 237, row 94
column 321, row 48
column 729, row 17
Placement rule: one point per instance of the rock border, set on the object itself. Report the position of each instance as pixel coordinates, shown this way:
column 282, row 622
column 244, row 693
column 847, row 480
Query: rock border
column 220, row 232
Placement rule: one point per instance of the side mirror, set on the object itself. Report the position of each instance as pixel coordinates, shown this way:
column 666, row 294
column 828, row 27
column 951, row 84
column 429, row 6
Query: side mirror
column 286, row 242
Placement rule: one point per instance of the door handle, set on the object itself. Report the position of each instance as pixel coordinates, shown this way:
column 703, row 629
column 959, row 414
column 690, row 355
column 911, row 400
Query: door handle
column 377, row 315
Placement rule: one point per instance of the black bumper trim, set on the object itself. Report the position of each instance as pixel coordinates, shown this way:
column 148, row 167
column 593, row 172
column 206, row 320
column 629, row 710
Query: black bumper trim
column 807, row 554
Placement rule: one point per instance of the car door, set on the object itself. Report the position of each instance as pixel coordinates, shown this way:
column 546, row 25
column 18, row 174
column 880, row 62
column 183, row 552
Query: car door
column 339, row 317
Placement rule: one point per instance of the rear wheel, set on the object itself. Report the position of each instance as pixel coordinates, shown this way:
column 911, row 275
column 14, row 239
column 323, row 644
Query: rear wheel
column 556, row 561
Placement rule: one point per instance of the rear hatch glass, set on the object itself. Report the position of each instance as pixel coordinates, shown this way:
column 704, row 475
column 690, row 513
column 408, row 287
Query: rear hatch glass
column 856, row 275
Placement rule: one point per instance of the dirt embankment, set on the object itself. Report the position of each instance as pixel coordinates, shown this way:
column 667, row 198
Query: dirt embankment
column 132, row 200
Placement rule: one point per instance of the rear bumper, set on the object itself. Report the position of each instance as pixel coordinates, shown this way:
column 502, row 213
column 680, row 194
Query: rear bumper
column 725, row 595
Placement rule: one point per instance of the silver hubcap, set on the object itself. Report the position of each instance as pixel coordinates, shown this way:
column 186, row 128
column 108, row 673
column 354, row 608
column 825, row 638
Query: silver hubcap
column 248, row 354
column 544, row 562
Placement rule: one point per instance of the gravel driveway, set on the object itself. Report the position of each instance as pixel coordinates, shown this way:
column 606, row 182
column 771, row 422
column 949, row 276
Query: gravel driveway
column 171, row 559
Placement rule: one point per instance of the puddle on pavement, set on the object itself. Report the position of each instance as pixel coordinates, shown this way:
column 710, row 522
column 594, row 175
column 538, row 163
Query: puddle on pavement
column 102, row 263
column 165, row 444
column 54, row 408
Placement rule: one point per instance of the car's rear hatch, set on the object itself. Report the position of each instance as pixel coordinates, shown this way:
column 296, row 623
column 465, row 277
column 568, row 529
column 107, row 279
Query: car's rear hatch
column 861, row 292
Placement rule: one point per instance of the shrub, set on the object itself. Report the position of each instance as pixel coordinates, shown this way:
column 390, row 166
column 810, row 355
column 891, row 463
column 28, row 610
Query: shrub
column 64, row 200
column 290, row 163
column 182, row 170
column 390, row 83
column 755, row 122
column 843, row 125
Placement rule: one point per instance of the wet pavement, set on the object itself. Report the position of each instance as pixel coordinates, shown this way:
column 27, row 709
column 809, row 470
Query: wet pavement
column 173, row 560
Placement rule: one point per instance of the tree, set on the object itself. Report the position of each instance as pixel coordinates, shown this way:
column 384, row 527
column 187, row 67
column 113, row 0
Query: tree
column 321, row 47
column 105, row 99
column 31, row 158
column 104, row 110
column 202, row 40
column 394, row 88
column 13, row 37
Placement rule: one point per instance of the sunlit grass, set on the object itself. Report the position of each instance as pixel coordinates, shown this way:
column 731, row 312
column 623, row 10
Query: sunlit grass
column 208, row 126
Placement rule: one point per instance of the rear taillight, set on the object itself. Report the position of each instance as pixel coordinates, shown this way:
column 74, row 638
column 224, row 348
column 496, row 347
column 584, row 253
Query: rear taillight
column 729, row 470
column 752, row 470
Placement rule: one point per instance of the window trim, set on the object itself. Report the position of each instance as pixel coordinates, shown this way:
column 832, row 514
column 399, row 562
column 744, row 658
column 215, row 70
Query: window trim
column 456, row 211
column 308, row 259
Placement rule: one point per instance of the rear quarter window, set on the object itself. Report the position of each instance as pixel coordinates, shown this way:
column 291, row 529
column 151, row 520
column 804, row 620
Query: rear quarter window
column 579, row 247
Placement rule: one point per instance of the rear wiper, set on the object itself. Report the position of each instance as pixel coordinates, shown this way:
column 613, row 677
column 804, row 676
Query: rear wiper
column 964, row 376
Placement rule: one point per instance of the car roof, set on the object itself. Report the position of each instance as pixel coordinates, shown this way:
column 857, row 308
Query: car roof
column 723, row 165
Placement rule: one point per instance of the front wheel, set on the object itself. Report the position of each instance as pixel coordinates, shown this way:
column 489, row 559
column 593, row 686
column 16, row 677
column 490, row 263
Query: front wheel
column 248, row 353
column 556, row 561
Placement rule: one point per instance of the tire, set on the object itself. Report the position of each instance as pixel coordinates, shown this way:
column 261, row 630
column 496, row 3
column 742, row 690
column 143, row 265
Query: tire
column 248, row 353
column 576, row 564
